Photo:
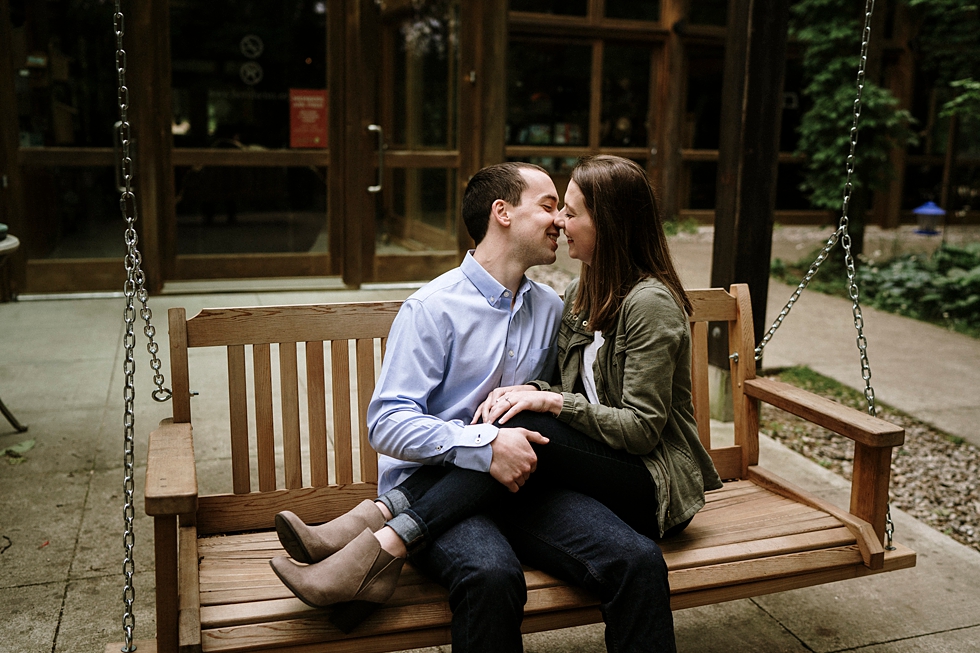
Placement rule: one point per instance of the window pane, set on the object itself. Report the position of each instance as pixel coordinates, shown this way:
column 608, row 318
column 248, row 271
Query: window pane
column 563, row 7
column 233, row 210
column 702, row 122
column 633, row 9
column 625, row 95
column 548, row 94
column 702, row 178
column 64, row 67
column 74, row 213
column 422, row 213
column 425, row 89
column 234, row 64
column 709, row 12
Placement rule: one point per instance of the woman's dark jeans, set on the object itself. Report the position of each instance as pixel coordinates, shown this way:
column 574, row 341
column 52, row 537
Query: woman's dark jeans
column 440, row 497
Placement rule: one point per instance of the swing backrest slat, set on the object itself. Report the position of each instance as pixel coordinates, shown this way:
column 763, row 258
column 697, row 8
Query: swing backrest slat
column 269, row 393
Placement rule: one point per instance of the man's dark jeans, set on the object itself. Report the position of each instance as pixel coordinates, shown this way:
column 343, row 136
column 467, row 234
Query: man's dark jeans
column 471, row 534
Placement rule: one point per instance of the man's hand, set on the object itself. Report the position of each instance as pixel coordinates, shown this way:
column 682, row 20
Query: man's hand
column 513, row 458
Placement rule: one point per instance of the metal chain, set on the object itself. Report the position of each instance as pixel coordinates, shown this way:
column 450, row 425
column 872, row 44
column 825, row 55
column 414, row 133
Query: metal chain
column 132, row 289
column 842, row 235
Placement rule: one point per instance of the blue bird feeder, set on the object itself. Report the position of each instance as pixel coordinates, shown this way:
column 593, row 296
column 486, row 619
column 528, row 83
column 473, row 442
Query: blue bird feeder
column 927, row 218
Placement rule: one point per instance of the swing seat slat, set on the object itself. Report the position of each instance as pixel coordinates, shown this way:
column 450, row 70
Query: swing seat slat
column 216, row 592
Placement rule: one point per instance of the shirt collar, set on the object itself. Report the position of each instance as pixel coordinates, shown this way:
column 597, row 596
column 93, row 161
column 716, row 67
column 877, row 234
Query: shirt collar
column 494, row 292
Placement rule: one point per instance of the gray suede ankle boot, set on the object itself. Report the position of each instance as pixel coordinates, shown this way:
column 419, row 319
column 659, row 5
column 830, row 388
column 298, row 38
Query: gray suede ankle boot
column 312, row 544
column 362, row 575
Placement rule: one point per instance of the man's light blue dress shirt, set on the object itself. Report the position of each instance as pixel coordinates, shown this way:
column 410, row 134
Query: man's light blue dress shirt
column 452, row 342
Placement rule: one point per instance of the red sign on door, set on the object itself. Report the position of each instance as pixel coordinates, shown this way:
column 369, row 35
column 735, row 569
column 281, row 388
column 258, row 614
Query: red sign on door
column 307, row 118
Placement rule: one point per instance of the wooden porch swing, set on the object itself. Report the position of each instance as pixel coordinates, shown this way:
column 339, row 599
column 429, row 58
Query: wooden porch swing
column 215, row 590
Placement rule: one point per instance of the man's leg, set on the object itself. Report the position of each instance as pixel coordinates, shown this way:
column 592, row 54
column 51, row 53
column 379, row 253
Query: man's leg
column 576, row 538
column 434, row 499
column 486, row 585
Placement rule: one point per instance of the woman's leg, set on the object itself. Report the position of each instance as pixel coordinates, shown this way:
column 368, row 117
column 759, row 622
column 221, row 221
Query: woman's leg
column 573, row 460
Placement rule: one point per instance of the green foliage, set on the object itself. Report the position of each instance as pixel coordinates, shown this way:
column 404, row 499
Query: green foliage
column 686, row 226
column 830, row 32
column 966, row 100
column 943, row 288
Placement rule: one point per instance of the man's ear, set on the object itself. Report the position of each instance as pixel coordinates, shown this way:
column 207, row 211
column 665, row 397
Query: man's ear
column 500, row 212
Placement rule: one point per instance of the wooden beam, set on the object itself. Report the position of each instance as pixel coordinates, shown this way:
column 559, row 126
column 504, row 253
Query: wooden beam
column 671, row 101
column 755, row 59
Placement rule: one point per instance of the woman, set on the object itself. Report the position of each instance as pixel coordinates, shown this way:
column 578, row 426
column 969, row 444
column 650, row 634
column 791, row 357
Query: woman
column 621, row 426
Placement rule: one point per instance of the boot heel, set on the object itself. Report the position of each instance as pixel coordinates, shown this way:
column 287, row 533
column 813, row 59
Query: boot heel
column 348, row 616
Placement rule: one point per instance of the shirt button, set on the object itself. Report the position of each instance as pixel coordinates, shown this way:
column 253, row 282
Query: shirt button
column 506, row 293
column 511, row 353
column 493, row 299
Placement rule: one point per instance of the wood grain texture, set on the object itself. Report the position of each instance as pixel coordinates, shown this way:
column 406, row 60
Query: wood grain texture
column 317, row 413
column 340, row 378
column 265, row 437
column 364, row 351
column 238, row 412
column 699, row 381
column 189, row 604
column 171, row 475
column 179, row 379
column 851, row 423
column 301, row 323
column 289, row 406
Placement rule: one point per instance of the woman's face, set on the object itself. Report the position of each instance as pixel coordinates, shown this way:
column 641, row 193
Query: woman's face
column 577, row 224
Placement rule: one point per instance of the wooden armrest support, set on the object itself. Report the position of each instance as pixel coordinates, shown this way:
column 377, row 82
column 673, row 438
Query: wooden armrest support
column 844, row 420
column 171, row 475
column 868, row 541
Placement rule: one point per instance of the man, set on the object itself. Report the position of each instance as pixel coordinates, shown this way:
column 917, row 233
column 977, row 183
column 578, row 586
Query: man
column 469, row 331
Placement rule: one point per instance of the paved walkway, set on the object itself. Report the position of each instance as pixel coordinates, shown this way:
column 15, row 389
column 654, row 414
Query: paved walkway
column 61, row 507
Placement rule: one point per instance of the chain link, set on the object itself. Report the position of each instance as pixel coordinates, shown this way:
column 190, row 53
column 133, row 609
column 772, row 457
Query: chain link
column 133, row 289
column 841, row 235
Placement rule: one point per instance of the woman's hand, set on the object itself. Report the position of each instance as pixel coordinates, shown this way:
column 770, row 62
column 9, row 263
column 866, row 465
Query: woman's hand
column 504, row 403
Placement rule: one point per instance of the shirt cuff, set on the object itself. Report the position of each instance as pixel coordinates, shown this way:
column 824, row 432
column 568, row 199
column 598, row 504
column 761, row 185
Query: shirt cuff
column 472, row 449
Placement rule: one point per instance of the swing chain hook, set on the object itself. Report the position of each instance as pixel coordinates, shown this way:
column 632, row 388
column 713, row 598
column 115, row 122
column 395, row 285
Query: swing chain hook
column 841, row 235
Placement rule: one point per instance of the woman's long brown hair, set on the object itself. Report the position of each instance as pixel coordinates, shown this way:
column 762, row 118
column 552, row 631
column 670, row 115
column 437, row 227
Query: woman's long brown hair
column 630, row 243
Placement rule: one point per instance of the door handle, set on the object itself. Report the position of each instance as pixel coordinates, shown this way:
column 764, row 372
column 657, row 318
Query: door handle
column 381, row 157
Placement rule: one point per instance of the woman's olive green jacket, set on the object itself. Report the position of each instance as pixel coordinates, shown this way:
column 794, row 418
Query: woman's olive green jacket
column 643, row 380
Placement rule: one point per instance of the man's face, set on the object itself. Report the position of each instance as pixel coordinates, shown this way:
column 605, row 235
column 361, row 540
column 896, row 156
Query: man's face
column 533, row 221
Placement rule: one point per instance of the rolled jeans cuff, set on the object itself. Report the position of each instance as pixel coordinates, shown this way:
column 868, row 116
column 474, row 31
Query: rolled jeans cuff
column 395, row 501
column 411, row 531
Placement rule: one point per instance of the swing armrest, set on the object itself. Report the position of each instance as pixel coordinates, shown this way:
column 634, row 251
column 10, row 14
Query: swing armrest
column 171, row 475
column 846, row 421
column 873, row 442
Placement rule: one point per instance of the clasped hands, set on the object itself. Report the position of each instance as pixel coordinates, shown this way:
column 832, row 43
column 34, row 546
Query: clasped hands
column 513, row 458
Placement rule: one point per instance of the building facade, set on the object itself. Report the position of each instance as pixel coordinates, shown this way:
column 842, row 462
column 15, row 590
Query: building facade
column 333, row 137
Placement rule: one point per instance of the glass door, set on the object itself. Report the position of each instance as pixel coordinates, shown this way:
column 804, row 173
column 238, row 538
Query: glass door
column 250, row 107
column 60, row 158
column 414, row 49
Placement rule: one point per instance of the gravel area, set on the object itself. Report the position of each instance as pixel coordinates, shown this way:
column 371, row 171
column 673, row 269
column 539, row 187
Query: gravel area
column 935, row 476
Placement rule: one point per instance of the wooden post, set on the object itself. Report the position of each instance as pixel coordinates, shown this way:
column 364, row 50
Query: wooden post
column 337, row 171
column 147, row 43
column 671, row 102
column 752, row 102
column 360, row 110
column 165, row 547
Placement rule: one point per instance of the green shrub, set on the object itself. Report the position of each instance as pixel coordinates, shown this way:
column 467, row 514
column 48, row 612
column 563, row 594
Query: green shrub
column 943, row 288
